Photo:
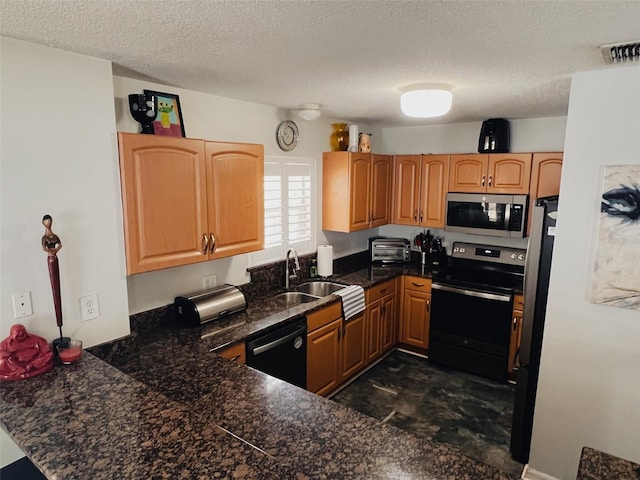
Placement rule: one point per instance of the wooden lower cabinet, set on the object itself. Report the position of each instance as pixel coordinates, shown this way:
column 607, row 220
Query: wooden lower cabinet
column 416, row 311
column 516, row 332
column 323, row 358
column 354, row 354
column 235, row 352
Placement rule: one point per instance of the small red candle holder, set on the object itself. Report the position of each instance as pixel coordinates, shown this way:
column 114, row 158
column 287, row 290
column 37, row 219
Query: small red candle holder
column 70, row 351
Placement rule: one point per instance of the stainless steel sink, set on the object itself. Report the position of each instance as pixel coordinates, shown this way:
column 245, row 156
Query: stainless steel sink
column 319, row 289
column 295, row 298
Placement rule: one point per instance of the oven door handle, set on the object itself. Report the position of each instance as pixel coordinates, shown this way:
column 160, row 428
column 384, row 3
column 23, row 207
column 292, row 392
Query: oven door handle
column 472, row 293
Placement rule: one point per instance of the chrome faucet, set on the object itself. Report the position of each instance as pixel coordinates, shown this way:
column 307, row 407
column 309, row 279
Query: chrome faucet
column 296, row 268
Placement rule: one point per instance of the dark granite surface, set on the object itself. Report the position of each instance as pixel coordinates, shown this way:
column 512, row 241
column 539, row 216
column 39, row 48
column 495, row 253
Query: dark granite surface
column 173, row 409
column 598, row 465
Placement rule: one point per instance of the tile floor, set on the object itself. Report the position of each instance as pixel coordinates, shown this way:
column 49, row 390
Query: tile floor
column 443, row 405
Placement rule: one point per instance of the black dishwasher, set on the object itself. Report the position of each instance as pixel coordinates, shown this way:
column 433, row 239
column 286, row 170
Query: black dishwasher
column 282, row 353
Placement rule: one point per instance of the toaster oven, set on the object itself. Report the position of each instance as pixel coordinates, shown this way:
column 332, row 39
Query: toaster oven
column 389, row 250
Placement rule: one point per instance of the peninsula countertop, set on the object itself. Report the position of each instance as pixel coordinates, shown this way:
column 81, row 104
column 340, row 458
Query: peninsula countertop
column 176, row 410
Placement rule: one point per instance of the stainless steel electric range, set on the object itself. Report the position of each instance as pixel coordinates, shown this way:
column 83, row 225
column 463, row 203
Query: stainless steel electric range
column 471, row 308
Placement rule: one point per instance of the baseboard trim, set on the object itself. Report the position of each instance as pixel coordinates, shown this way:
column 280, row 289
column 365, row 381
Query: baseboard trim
column 529, row 473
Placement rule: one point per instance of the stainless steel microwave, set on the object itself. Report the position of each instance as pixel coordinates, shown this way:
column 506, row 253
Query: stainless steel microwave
column 482, row 214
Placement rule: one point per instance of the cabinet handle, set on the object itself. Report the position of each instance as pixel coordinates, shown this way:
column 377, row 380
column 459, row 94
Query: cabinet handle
column 515, row 322
column 383, row 290
column 205, row 243
column 483, row 179
column 428, row 305
column 234, row 358
column 213, row 243
column 417, row 284
column 420, row 216
column 490, row 180
column 415, row 215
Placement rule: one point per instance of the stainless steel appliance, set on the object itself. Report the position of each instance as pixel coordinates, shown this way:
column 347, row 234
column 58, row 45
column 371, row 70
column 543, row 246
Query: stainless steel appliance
column 536, row 286
column 282, row 353
column 207, row 305
column 482, row 214
column 471, row 307
column 389, row 250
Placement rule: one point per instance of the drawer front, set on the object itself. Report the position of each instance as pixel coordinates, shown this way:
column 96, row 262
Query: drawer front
column 518, row 302
column 322, row 317
column 418, row 284
column 374, row 293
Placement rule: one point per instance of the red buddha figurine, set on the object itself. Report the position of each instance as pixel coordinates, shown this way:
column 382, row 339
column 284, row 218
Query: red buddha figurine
column 24, row 355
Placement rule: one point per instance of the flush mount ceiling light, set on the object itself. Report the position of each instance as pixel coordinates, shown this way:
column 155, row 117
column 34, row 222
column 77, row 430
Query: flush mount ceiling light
column 309, row 111
column 426, row 101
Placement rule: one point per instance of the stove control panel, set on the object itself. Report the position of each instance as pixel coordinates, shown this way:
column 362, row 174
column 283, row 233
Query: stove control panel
column 489, row 253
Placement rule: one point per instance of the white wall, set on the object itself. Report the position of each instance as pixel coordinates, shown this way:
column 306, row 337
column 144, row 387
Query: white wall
column 527, row 135
column 218, row 118
column 59, row 157
column 589, row 387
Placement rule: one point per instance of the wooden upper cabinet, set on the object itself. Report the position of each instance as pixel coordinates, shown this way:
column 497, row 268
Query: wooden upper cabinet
column 468, row 173
column 182, row 196
column 509, row 173
column 420, row 190
column 235, row 198
column 406, row 189
column 490, row 173
column 381, row 182
column 164, row 200
column 355, row 190
column 545, row 178
column 434, row 176
column 360, row 191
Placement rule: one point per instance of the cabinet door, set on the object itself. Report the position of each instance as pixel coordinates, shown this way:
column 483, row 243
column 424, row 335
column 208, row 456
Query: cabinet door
column 360, row 191
column 374, row 324
column 323, row 358
column 353, row 346
column 235, row 198
column 509, row 173
column 434, row 178
column 388, row 320
column 381, row 174
column 406, row 189
column 164, row 201
column 545, row 178
column 415, row 320
column 468, row 173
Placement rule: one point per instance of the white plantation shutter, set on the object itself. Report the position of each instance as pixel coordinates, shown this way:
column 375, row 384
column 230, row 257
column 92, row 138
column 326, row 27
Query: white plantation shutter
column 289, row 208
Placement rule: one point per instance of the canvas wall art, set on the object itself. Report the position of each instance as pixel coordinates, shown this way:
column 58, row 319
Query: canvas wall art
column 616, row 279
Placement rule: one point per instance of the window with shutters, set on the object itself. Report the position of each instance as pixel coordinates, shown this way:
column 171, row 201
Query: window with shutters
column 289, row 208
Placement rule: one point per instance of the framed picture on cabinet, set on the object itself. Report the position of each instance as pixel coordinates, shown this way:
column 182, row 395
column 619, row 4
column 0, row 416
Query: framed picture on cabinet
column 168, row 122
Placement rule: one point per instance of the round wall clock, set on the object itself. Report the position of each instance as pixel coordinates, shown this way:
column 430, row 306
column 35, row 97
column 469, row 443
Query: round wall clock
column 287, row 135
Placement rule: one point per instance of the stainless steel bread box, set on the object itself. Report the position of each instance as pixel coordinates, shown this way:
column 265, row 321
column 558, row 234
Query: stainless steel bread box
column 208, row 305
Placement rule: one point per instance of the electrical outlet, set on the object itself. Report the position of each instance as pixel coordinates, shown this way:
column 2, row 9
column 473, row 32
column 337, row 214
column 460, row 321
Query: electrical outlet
column 22, row 305
column 209, row 281
column 89, row 307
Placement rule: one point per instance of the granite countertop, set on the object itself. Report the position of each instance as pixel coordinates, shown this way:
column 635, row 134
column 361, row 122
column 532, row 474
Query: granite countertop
column 173, row 409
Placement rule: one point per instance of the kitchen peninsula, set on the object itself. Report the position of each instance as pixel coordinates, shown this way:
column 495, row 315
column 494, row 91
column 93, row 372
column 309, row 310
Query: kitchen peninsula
column 174, row 410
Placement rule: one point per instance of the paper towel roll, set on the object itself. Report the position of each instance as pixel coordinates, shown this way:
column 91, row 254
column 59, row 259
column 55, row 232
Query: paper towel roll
column 325, row 260
column 353, row 138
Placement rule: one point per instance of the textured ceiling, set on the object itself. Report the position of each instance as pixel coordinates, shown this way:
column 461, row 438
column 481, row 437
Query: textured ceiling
column 509, row 59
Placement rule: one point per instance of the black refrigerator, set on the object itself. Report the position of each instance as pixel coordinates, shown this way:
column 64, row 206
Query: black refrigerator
column 536, row 287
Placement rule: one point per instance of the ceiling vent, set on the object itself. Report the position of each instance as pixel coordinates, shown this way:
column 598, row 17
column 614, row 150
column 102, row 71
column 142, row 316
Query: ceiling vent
column 621, row 53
